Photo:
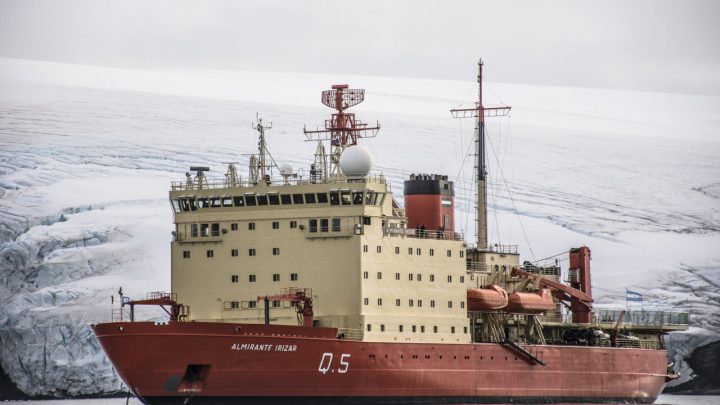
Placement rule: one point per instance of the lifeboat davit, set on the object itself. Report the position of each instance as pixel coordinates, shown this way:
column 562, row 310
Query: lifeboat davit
column 490, row 298
column 530, row 303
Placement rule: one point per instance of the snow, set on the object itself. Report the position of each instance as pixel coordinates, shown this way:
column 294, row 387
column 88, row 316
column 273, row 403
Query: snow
column 87, row 154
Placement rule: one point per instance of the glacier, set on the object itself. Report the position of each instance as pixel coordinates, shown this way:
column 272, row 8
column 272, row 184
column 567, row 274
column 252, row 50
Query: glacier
column 87, row 154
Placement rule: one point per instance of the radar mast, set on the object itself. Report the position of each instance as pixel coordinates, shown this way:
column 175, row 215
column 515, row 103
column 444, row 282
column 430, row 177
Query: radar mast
column 342, row 130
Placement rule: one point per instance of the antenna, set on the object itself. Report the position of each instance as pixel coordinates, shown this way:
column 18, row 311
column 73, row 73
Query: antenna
column 342, row 130
column 262, row 165
column 480, row 112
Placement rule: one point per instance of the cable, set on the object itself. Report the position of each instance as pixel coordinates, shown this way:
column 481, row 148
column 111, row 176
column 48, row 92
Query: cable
column 492, row 148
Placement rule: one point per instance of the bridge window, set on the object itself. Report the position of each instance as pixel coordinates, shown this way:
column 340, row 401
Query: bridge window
column 309, row 198
column 297, row 198
column 345, row 197
column 286, row 199
column 250, row 200
column 202, row 202
column 227, row 202
column 334, row 198
column 273, row 199
column 215, row 202
column 357, row 197
column 239, row 201
column 262, row 199
column 322, row 198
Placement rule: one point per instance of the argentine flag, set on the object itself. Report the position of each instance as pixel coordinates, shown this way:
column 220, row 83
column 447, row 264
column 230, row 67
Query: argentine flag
column 633, row 296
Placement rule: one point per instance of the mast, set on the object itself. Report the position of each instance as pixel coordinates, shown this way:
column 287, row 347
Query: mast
column 261, row 166
column 342, row 130
column 480, row 112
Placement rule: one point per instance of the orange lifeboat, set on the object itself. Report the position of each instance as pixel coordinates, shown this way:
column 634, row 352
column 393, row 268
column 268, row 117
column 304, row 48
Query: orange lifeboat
column 530, row 303
column 490, row 298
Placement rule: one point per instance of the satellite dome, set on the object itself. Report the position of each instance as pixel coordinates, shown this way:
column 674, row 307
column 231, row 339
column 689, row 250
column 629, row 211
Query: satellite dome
column 286, row 170
column 356, row 162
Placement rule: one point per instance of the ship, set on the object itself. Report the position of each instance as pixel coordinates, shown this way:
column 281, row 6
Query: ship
column 324, row 288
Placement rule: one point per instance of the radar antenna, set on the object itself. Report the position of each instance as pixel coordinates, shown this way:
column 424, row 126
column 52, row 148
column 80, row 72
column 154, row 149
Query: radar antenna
column 342, row 130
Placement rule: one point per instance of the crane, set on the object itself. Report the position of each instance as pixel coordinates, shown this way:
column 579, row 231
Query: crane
column 301, row 298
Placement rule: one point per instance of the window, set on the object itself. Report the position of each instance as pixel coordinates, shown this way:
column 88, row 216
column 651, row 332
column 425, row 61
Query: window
column 452, row 329
column 366, row 220
column 186, row 254
column 462, row 304
column 324, row 225
column 419, row 303
column 462, row 279
column 204, row 230
column 297, row 198
column 400, row 328
column 233, row 252
column 432, row 303
column 449, row 304
column 322, row 198
column 369, row 327
column 357, row 197
column 202, row 203
column 210, row 253
column 379, row 275
column 397, row 302
column 234, row 278
column 276, row 304
column 462, row 253
column 382, row 328
column 410, row 251
column 366, row 301
column 293, row 276
column 422, row 328
column 432, row 252
column 252, row 304
column 449, row 253
column 239, row 201
column 434, row 329
column 397, row 276
column 397, row 250
column 273, row 199
column 235, row 304
column 365, row 274
column 286, row 199
column 365, row 248
column 251, row 226
column 345, row 197
column 276, row 225
column 215, row 202
column 252, row 278
column 233, row 227
column 411, row 303
column 465, row 329
column 309, row 198
column 293, row 224
column 312, row 224
column 410, row 277
column 379, row 302
column 419, row 277
column 250, row 200
column 449, row 279
column 194, row 230
column 379, row 249
column 418, row 251
column 262, row 199
column 432, row 278
column 276, row 277
column 334, row 198
column 276, row 251
column 336, row 224
column 251, row 252
column 215, row 229
column 414, row 328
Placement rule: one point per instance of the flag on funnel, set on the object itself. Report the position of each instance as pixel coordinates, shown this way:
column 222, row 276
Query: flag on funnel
column 633, row 296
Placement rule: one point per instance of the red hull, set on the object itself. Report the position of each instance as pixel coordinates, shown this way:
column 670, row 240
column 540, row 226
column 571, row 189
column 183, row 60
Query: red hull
column 286, row 361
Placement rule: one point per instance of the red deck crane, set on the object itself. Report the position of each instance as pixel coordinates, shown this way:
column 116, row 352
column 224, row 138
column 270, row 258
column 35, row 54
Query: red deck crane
column 301, row 298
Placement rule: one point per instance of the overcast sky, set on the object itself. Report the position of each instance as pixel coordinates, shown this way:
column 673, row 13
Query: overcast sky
column 638, row 45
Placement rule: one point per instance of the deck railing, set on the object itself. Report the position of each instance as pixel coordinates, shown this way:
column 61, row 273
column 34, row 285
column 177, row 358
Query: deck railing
column 422, row 233
column 219, row 183
column 643, row 317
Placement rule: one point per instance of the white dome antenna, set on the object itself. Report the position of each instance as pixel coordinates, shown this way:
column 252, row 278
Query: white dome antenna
column 286, row 171
column 356, row 162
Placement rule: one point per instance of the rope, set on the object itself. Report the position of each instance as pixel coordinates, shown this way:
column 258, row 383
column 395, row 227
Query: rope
column 492, row 148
